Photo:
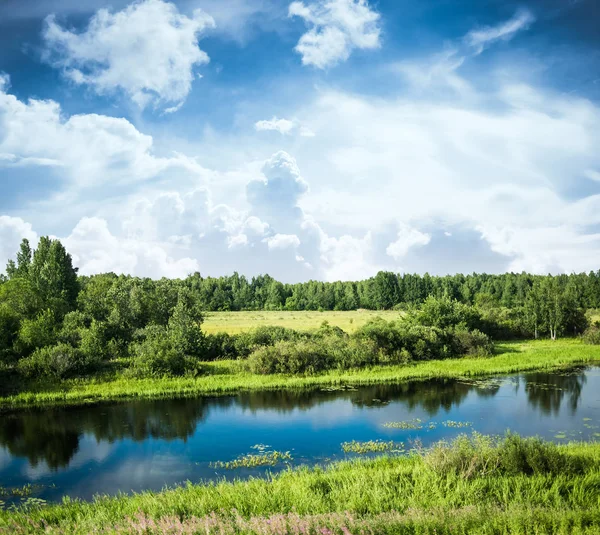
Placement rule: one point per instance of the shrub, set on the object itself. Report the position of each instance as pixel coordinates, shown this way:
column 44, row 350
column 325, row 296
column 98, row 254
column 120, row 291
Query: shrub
column 592, row 334
column 481, row 456
column 59, row 361
column 473, row 343
column 263, row 336
column 303, row 356
column 219, row 346
column 156, row 353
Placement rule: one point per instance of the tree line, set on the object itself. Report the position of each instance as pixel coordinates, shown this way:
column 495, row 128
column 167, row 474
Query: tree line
column 54, row 321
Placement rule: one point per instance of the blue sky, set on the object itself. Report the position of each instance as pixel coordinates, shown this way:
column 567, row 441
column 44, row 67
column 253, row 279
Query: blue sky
column 322, row 139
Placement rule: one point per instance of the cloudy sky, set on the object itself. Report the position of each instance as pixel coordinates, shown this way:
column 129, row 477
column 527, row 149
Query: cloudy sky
column 314, row 139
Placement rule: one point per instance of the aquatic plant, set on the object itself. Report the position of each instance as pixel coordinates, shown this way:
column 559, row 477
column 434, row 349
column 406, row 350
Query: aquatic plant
column 372, row 446
column 452, row 423
column 251, row 460
column 415, row 423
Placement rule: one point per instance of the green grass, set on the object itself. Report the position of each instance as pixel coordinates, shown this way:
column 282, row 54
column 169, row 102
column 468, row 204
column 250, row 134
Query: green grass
column 236, row 322
column 227, row 377
column 515, row 486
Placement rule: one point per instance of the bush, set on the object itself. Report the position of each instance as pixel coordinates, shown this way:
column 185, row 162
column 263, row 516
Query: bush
column 303, row 356
column 314, row 355
column 472, row 343
column 592, row 334
column 58, row 361
column 156, row 354
column 481, row 456
column 219, row 346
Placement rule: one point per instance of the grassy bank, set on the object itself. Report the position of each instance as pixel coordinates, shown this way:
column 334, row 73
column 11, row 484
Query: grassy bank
column 228, row 376
column 302, row 320
column 476, row 485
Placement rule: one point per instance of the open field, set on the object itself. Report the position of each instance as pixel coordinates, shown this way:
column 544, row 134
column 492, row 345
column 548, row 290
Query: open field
column 236, row 322
column 226, row 377
column 473, row 486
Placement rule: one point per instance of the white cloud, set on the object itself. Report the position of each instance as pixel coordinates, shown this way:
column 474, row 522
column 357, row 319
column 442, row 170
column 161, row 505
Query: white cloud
column 479, row 39
column 91, row 149
column 283, row 126
column 12, row 231
column 148, row 51
column 407, row 237
column 239, row 240
column 336, row 27
column 282, row 241
column 96, row 250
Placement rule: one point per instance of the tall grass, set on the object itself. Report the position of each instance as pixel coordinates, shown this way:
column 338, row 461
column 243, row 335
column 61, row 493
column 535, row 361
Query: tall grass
column 225, row 377
column 517, row 486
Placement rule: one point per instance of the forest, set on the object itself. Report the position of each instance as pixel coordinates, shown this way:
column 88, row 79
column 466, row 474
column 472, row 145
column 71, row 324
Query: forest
column 56, row 323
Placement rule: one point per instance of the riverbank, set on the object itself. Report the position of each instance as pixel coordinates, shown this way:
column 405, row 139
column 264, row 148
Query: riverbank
column 472, row 486
column 228, row 377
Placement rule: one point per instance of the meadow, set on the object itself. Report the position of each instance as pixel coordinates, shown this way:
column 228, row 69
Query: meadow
column 475, row 485
column 304, row 320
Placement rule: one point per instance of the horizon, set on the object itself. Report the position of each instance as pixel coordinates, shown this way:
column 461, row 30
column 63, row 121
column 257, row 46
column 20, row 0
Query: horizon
column 323, row 140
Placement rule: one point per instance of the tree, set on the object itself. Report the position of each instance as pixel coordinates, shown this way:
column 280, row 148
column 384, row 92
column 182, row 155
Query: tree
column 52, row 274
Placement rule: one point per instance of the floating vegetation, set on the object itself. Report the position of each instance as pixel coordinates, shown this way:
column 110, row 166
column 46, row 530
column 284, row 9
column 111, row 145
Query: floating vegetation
column 372, row 446
column 19, row 492
column 452, row 423
column 415, row 423
column 260, row 447
column 560, row 436
column 254, row 460
column 339, row 388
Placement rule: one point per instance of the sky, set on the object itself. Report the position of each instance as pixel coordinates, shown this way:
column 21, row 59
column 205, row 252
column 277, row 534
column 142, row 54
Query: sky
column 313, row 139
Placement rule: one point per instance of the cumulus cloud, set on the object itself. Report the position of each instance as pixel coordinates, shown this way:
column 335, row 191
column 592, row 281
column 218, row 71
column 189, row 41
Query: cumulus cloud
column 96, row 250
column 91, row 149
column 148, row 50
column 336, row 28
column 12, row 231
column 282, row 241
column 407, row 237
column 275, row 196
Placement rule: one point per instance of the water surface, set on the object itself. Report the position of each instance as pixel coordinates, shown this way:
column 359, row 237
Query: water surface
column 140, row 445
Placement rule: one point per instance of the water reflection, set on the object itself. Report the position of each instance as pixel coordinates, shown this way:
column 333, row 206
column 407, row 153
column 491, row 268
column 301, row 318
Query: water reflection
column 54, row 436
column 546, row 390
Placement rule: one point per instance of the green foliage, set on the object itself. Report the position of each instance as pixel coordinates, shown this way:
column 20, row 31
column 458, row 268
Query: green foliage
column 592, row 334
column 305, row 356
column 9, row 330
column 59, row 361
column 40, row 331
column 483, row 456
column 445, row 312
column 158, row 351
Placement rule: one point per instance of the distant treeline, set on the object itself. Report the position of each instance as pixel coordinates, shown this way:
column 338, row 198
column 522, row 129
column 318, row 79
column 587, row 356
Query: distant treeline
column 385, row 291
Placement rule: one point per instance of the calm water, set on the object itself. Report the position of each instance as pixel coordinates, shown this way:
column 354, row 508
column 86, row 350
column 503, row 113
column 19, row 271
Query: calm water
column 149, row 444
